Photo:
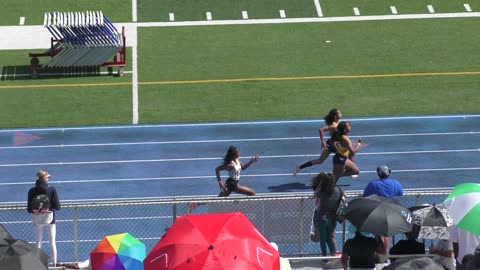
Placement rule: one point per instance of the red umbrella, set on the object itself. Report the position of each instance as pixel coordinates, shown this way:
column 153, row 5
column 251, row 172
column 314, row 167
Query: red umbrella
column 213, row 241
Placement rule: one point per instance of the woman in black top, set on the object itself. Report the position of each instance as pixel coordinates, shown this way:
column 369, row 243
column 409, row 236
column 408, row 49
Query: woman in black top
column 42, row 187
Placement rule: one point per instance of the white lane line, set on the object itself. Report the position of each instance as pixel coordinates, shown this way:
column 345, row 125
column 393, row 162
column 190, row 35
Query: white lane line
column 22, row 21
column 318, row 7
column 356, row 11
column 171, row 17
column 135, row 114
column 232, row 140
column 430, row 9
column 245, row 15
column 467, row 7
column 393, row 9
column 282, row 13
column 63, row 163
column 169, row 178
column 280, row 122
column 209, row 16
column 134, row 10
column 311, row 19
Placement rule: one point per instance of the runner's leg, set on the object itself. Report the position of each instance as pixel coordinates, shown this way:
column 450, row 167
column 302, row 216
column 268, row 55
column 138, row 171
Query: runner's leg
column 245, row 190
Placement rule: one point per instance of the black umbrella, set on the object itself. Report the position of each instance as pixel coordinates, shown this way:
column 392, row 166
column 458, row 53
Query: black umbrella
column 17, row 254
column 379, row 215
column 434, row 221
column 414, row 263
column 4, row 234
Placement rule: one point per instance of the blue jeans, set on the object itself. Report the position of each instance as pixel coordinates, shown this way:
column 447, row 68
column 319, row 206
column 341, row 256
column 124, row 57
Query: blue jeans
column 326, row 230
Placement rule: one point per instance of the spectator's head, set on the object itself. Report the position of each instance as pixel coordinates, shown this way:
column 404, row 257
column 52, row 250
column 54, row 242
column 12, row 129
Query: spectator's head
column 43, row 175
column 474, row 262
column 326, row 181
column 383, row 171
column 466, row 258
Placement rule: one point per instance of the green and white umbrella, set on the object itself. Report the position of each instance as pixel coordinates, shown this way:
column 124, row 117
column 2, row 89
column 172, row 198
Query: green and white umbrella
column 464, row 206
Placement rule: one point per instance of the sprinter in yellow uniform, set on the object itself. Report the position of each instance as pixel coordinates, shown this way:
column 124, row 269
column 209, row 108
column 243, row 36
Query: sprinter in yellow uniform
column 343, row 164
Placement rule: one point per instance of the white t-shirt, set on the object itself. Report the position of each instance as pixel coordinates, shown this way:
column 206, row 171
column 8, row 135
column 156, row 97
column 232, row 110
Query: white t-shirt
column 467, row 241
column 447, row 262
column 235, row 172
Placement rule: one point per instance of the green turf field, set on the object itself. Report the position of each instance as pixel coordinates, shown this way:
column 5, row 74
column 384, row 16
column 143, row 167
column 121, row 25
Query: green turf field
column 259, row 72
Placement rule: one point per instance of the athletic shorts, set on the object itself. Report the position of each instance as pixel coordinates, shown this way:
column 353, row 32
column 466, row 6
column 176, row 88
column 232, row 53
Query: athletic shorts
column 231, row 184
column 339, row 159
column 330, row 146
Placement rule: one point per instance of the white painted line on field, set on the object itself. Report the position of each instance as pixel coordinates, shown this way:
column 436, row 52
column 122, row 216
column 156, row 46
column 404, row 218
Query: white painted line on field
column 135, row 115
column 134, row 10
column 394, row 10
column 171, row 17
column 307, row 20
column 22, row 21
column 430, row 9
column 318, row 7
column 282, row 13
column 356, row 11
column 244, row 14
column 209, row 16
column 467, row 7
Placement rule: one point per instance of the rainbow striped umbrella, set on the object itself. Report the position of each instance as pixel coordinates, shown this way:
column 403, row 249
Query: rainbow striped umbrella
column 118, row 252
column 464, row 206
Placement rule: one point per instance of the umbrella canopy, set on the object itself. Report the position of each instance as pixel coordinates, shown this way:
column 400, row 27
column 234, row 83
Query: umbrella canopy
column 19, row 255
column 379, row 215
column 213, row 241
column 414, row 263
column 118, row 252
column 4, row 234
column 464, row 205
column 434, row 221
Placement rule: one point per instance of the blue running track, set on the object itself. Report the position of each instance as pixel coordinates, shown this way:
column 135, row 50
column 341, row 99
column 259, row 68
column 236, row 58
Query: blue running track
column 121, row 162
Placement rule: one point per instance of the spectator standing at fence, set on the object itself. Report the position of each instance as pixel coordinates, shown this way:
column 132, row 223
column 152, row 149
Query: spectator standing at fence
column 44, row 218
column 384, row 186
column 233, row 165
column 331, row 119
column 359, row 252
column 328, row 197
column 343, row 164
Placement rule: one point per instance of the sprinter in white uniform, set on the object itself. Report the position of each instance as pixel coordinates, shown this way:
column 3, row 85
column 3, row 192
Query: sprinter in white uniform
column 232, row 164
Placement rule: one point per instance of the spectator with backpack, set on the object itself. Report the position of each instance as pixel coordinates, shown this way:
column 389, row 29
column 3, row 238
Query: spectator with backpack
column 42, row 202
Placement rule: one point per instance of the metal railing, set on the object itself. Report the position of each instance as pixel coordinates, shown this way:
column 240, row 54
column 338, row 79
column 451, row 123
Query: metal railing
column 284, row 218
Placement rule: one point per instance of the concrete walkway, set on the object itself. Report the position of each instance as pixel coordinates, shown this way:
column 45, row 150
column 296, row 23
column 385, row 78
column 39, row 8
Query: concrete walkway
column 37, row 37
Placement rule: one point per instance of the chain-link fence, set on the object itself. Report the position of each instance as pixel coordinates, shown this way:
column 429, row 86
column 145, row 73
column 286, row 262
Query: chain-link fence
column 282, row 218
